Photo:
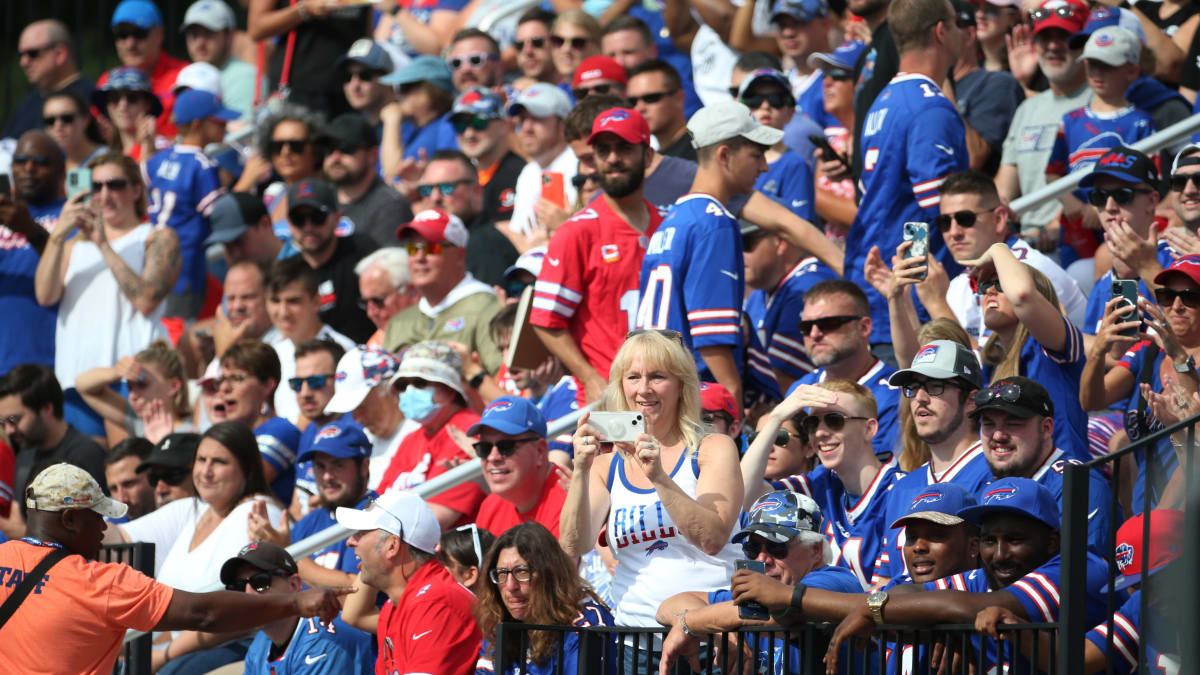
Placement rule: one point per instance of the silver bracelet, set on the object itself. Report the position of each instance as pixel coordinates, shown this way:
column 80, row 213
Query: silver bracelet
column 682, row 616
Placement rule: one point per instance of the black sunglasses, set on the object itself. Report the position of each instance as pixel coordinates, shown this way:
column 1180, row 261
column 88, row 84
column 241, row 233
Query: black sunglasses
column 575, row 42
column 1179, row 181
column 133, row 32
column 515, row 288
column 65, row 118
column 752, row 547
column 1009, row 392
column 834, row 421
column 579, row 179
column 1121, row 196
column 931, row 387
column 40, row 160
column 781, row 438
column 839, row 75
column 302, row 217
column 259, row 581
column 296, row 146
column 712, row 417
column 665, row 332
column 35, row 52
column 964, row 218
column 648, row 99
column 1165, row 297
column 506, row 447
column 114, row 185
column 827, row 324
column 777, row 99
column 129, row 96
column 314, row 381
column 982, row 287
column 173, row 476
column 464, row 122
column 536, row 43
column 361, row 75
column 364, row 303
column 447, row 188
column 584, row 92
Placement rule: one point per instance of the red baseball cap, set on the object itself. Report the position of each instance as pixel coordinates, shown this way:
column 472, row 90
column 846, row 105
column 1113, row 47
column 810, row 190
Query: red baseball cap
column 624, row 122
column 437, row 226
column 1069, row 15
column 716, row 398
column 598, row 67
column 1187, row 265
column 1166, row 544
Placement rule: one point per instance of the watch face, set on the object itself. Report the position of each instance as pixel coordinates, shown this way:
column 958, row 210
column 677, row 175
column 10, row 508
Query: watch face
column 876, row 597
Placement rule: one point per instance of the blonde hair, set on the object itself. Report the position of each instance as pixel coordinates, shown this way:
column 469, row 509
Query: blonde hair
column 914, row 452
column 580, row 18
column 166, row 360
column 1006, row 359
column 132, row 173
column 863, row 395
column 656, row 350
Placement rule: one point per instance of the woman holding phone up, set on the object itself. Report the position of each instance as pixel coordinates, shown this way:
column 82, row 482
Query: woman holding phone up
column 671, row 498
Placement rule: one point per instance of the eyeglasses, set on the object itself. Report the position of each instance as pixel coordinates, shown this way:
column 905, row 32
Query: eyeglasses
column 834, row 421
column 361, row 76
column 114, row 185
column 447, row 188
column 65, row 118
column 313, row 381
column 964, row 218
column 475, row 60
column 430, row 248
column 500, row 574
column 648, row 99
column 1165, row 297
column 259, row 581
column 827, row 324
column 474, row 540
column 212, row 386
column 379, row 302
column 464, row 122
column 346, row 147
column 839, row 75
column 173, row 476
column 515, row 288
column 40, row 160
column 579, row 179
column 1121, row 196
column 752, row 547
column 1043, row 13
column 34, row 52
column 131, row 32
column 129, row 96
column 12, row 420
column 1179, row 181
column 931, row 387
column 583, row 92
column 1009, row 392
column 536, row 43
column 506, row 447
column 982, row 287
column 665, row 332
column 776, row 99
column 294, row 146
column 782, row 437
column 579, row 43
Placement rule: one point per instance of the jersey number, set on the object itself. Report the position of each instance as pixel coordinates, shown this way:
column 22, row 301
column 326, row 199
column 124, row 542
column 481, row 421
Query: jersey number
column 657, row 291
column 629, row 304
column 314, row 626
column 162, row 202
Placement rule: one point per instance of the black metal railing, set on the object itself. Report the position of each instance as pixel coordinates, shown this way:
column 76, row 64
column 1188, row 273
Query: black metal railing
column 135, row 656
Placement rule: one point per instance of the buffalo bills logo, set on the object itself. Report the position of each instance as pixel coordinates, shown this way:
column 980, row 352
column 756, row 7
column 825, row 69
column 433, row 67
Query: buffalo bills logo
column 455, row 325
column 1103, row 40
column 659, row 545
column 340, row 376
column 1116, row 159
column 927, row 354
column 771, row 503
column 498, row 406
column 327, row 432
column 1124, row 556
column 926, row 498
column 305, row 189
column 1099, row 14
column 999, row 494
column 247, row 548
column 613, row 116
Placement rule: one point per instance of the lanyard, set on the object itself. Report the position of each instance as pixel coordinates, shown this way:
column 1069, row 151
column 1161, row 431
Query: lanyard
column 38, row 542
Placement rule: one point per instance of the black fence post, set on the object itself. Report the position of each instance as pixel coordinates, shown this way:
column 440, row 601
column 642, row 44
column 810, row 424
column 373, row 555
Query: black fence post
column 1072, row 619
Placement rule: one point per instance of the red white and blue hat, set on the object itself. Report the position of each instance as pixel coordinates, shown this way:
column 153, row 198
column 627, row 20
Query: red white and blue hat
column 340, row 438
column 780, row 516
column 626, row 123
column 511, row 415
column 939, row 503
column 1166, row 545
column 1019, row 496
column 1103, row 17
column 1187, row 265
column 126, row 79
column 358, row 372
column 479, row 102
column 1126, row 165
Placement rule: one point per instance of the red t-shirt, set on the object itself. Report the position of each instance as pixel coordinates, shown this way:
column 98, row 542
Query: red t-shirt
column 497, row 514
column 8, row 467
column 420, row 458
column 431, row 630
column 162, row 80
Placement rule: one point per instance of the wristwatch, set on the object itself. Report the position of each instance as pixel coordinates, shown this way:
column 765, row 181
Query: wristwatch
column 1187, row 366
column 876, row 601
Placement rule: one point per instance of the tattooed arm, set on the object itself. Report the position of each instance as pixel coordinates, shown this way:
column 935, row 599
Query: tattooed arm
column 158, row 274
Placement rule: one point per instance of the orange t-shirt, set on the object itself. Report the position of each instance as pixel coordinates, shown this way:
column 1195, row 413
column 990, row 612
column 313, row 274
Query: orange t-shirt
column 75, row 620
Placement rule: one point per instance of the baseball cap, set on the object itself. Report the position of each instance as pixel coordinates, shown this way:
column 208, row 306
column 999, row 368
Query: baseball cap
column 199, row 75
column 432, row 361
column 437, row 226
column 716, row 398
column 366, row 52
column 540, row 99
column 1020, row 496
column 1188, row 156
column 63, row 487
column 1166, row 545
column 841, row 58
column 1126, row 165
column 141, row 13
column 424, row 68
column 211, row 14
column 1068, row 15
column 1015, row 395
column 175, row 451
column 1113, row 45
column 1187, row 265
column 231, row 214
column 724, row 120
column 340, row 438
column 769, row 75
column 479, row 102
column 262, row 555
column 964, row 13
column 530, row 261
column 780, row 516
column 939, row 503
column 511, row 415
column 194, row 104
column 313, row 192
column 358, row 372
column 800, row 10
column 598, row 67
column 130, row 79
column 624, row 122
column 941, row 360
column 1102, row 17
column 397, row 512
column 351, row 129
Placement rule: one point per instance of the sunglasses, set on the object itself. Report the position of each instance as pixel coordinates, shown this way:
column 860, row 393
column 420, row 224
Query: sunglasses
column 506, row 447
column 579, row 179
column 65, row 118
column 963, row 218
column 1122, row 196
column 1043, row 13
column 347, row 147
column 40, row 160
column 982, row 287
column 782, row 437
column 212, row 386
column 1165, row 297
column 126, row 33
column 464, row 122
column 648, row 99
column 1009, row 393
column 114, row 185
column 931, row 387
column 302, row 217
column 839, row 75
column 379, row 302
column 579, row 43
column 665, row 332
column 1179, row 181
column 778, row 99
column 834, row 421
column 295, row 147
column 536, row 43
column 129, row 96
column 514, row 289
column 430, row 248
column 313, row 381
column 827, row 324
column 712, row 417
column 12, row 420
column 173, row 476
column 35, row 52
column 259, row 581
column 583, row 92
column 361, row 76
column 447, row 188
column 752, row 547
column 474, row 60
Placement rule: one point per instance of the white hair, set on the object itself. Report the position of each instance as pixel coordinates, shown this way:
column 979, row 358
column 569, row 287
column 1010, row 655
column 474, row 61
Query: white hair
column 393, row 260
column 810, row 538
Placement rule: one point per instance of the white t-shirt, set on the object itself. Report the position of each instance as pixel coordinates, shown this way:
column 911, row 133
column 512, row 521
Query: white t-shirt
column 529, row 188
column 383, row 449
column 712, row 64
column 285, row 399
column 965, row 304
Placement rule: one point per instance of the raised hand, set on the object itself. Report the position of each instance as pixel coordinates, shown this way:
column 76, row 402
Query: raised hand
column 1182, row 240
column 159, row 421
column 1022, row 57
column 258, row 525
column 322, row 602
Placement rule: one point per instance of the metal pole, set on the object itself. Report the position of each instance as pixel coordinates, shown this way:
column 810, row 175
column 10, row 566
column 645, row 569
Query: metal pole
column 1072, row 618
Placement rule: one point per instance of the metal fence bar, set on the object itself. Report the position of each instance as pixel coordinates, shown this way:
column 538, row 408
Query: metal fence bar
column 1073, row 585
column 139, row 556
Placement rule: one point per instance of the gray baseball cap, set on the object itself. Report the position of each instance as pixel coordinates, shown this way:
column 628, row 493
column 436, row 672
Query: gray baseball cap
column 942, row 360
column 231, row 214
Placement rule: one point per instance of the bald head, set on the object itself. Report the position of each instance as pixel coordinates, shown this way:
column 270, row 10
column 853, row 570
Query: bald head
column 37, row 167
column 46, row 55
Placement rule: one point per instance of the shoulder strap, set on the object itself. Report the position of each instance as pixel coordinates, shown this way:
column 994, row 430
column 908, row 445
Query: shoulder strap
column 14, row 601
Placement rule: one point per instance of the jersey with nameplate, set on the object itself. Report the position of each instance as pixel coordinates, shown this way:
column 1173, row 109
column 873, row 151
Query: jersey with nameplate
column 184, row 183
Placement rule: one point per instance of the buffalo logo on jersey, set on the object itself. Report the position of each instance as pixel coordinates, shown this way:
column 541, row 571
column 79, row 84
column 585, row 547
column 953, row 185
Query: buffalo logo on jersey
column 926, row 498
column 327, row 432
column 999, row 495
column 657, row 546
column 1124, row 556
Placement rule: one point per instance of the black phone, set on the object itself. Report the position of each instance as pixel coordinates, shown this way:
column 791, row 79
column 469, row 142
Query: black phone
column 1127, row 290
column 827, row 149
column 5, row 185
column 750, row 609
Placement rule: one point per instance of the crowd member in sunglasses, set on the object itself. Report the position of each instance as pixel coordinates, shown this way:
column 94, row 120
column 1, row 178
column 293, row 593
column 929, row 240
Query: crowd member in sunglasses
column 718, row 411
column 362, row 67
column 125, row 484
column 313, row 384
column 784, row 533
column 168, row 468
column 416, row 124
column 474, row 60
column 385, row 287
column 208, row 27
column 125, row 100
column 66, row 117
column 574, row 36
column 461, row 550
column 598, row 74
column 48, row 59
column 788, row 179
column 367, row 202
column 1185, row 190
column 532, row 42
column 835, row 200
column 137, row 31
column 157, row 388
column 528, row 579
column 656, row 91
column 483, row 135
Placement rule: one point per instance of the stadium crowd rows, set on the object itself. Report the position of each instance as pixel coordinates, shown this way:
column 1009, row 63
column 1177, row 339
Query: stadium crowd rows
column 761, row 250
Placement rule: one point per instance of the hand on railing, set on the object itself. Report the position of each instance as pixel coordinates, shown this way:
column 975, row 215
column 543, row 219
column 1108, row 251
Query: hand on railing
column 857, row 624
column 677, row 644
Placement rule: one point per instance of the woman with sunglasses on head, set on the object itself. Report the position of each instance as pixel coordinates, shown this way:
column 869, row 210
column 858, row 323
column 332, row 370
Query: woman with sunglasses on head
column 462, row 551
column 109, row 280
column 528, row 579
column 127, row 102
column 65, row 116
column 671, row 498
column 158, row 395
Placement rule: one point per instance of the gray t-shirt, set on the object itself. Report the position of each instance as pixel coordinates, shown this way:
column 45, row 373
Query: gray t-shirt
column 1029, row 141
column 987, row 100
column 672, row 180
column 74, row 448
column 378, row 212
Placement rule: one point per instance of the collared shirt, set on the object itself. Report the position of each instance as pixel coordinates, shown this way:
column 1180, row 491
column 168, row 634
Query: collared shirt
column 430, row 629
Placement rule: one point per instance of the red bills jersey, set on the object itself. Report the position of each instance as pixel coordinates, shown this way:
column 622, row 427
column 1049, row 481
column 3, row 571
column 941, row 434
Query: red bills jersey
column 431, row 629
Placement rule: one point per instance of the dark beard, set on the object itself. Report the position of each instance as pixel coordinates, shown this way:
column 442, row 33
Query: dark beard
column 627, row 184
column 349, row 501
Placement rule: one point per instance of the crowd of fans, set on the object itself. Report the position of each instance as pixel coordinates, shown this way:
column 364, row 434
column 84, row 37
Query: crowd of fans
column 246, row 303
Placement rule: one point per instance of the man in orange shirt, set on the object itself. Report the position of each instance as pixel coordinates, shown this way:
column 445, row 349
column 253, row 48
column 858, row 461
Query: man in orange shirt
column 87, row 606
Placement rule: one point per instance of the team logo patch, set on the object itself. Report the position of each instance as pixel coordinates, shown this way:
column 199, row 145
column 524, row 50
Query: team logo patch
column 327, row 432
column 999, row 494
column 1124, row 555
column 498, row 406
column 610, row 253
column 926, row 498
column 248, row 547
column 455, row 325
column 345, row 227
column 767, row 504
column 613, row 116
column 657, row 546
column 508, row 197
column 1103, row 40
column 926, row 355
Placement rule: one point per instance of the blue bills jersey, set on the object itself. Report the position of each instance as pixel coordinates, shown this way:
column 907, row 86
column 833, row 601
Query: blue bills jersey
column 184, row 183
column 790, row 181
column 316, row 648
column 1162, row 651
column 1084, row 135
column 591, row 614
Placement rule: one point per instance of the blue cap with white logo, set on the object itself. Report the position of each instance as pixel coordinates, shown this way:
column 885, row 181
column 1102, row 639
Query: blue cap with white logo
column 341, row 438
column 780, row 516
column 1018, row 496
column 511, row 415
column 141, row 13
column 939, row 503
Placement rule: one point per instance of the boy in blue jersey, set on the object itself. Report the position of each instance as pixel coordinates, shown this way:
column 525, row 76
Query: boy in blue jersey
column 789, row 178
column 692, row 279
column 912, row 138
column 293, row 644
column 183, row 185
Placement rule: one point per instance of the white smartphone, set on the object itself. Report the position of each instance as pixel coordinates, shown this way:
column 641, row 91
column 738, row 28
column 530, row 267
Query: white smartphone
column 617, row 426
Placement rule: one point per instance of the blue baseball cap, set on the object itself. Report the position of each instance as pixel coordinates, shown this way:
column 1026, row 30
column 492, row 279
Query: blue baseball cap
column 340, row 438
column 939, row 503
column 424, row 68
column 842, row 58
column 195, row 104
column 800, row 10
column 780, row 516
column 141, row 13
column 1020, row 496
column 769, row 75
column 1103, row 17
column 120, row 79
column 511, row 415
column 1128, row 166
column 479, row 102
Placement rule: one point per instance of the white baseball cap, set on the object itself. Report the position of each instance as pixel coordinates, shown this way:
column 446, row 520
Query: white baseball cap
column 397, row 512
column 357, row 373
column 199, row 75
column 211, row 14
column 724, row 120
column 1113, row 45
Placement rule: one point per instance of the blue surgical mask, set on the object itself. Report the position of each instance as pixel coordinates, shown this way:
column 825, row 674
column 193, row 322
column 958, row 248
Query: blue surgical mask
column 417, row 403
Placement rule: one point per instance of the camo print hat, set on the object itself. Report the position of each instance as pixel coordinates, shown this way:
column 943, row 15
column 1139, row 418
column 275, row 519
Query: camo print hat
column 63, row 487
column 780, row 516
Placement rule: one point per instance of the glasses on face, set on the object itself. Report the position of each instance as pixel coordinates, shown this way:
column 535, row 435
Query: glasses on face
column 34, row 52
column 302, row 217
column 834, row 421
column 583, row 92
column 126, row 32
column 12, row 420
column 361, row 76
column 580, row 179
column 1165, row 297
column 65, row 118
column 506, row 447
column 40, row 160
column 665, row 332
column 1121, row 196
column 648, row 99
column 1009, row 392
column 1043, row 13
column 114, row 185
column 982, row 287
column 963, row 218
column 931, row 387
column 313, row 381
column 212, row 386
column 521, row 573
column 129, row 96
column 776, row 99
column 839, row 75
column 753, row 546
column 474, row 60
column 781, row 437
column 173, row 476
column 536, row 43
column 464, row 122
column 447, row 188
column 515, row 288
column 577, row 43
column 827, row 324
column 378, row 303
column 259, row 581
column 429, row 247
column 294, row 146
column 711, row 418
column 1180, row 181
